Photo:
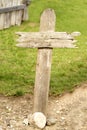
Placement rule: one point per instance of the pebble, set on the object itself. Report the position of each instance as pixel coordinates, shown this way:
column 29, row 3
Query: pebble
column 8, row 108
column 25, row 121
column 13, row 122
column 51, row 121
column 63, row 118
column 57, row 112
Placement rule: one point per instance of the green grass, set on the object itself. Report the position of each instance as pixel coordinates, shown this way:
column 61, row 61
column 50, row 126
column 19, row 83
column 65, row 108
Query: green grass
column 69, row 66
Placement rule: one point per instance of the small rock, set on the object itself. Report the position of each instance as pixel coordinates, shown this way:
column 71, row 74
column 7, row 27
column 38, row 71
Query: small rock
column 38, row 119
column 8, row 122
column 74, row 34
column 8, row 108
column 12, row 123
column 25, row 121
column 63, row 118
column 57, row 112
column 51, row 121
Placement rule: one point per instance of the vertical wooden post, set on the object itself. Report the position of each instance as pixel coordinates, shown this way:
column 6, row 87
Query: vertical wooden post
column 25, row 11
column 1, row 17
column 7, row 15
column 43, row 67
column 19, row 14
column 13, row 14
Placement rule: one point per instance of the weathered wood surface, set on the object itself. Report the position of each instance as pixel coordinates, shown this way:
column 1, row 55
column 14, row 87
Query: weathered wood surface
column 42, row 80
column 45, row 39
column 19, row 13
column 1, row 16
column 44, row 35
column 43, row 67
column 12, row 12
column 6, row 15
column 13, row 8
column 49, row 44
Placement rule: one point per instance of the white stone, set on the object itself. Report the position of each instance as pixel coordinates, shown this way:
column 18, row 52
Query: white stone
column 38, row 119
column 57, row 112
column 74, row 34
column 25, row 121
column 8, row 108
column 13, row 122
column 63, row 118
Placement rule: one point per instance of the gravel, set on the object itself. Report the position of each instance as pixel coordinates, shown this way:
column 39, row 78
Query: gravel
column 69, row 110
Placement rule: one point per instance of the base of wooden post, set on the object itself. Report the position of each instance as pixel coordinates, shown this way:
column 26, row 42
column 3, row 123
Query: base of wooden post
column 42, row 80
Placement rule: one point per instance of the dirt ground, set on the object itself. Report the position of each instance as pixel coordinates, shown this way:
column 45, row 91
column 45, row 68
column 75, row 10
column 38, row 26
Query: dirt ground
column 69, row 109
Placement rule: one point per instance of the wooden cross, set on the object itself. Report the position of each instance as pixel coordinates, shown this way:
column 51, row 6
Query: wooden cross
column 44, row 40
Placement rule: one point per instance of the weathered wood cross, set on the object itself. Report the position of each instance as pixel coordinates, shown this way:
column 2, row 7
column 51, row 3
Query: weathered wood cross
column 44, row 40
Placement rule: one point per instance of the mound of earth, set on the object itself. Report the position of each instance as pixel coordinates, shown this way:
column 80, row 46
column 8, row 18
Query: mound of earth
column 70, row 110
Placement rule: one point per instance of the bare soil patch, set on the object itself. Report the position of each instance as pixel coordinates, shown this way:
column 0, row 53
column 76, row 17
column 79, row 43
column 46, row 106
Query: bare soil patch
column 69, row 109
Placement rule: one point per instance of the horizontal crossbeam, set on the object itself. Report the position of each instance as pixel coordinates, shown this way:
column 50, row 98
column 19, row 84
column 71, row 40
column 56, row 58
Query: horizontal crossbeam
column 45, row 39
column 44, row 35
column 13, row 8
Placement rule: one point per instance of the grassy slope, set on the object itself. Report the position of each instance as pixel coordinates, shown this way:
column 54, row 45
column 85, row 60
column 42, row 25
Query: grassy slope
column 69, row 66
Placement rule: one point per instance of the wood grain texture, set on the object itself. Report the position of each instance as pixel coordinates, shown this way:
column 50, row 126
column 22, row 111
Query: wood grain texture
column 13, row 8
column 45, row 39
column 25, row 14
column 2, row 15
column 42, row 80
column 48, row 44
column 43, row 68
column 7, row 19
column 11, row 13
column 19, row 14
column 44, row 35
